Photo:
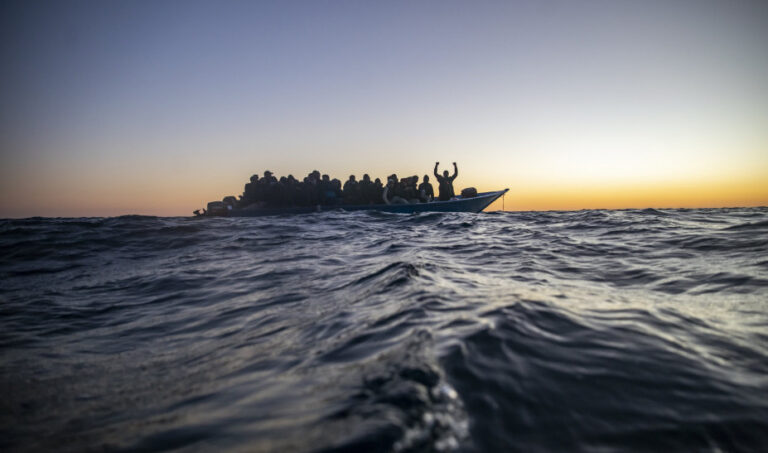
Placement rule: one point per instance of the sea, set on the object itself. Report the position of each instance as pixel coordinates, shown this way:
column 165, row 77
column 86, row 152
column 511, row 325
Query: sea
column 596, row 330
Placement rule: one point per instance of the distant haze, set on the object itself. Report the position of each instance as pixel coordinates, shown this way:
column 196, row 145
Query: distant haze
column 158, row 107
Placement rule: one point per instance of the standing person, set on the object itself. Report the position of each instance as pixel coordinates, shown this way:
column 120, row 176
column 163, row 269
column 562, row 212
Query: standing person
column 446, row 182
column 426, row 192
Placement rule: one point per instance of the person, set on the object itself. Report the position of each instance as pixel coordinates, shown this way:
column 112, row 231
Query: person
column 410, row 191
column 294, row 191
column 310, row 191
column 389, row 193
column 378, row 189
column 351, row 191
column 446, row 182
column 399, row 187
column 268, row 190
column 250, row 192
column 367, row 190
column 426, row 192
column 268, row 177
column 327, row 194
column 337, row 192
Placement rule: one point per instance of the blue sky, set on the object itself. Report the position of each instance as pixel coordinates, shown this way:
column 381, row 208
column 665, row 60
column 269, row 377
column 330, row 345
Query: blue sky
column 158, row 107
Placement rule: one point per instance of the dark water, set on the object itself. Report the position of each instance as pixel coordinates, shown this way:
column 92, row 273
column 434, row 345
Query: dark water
column 592, row 330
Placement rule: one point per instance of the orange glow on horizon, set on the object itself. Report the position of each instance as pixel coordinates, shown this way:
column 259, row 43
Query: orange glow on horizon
column 710, row 194
column 180, row 196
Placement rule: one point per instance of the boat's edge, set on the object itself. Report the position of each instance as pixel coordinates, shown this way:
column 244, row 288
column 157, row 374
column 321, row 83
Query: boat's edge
column 475, row 204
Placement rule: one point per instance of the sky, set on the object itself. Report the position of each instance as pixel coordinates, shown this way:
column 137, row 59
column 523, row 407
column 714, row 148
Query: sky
column 157, row 107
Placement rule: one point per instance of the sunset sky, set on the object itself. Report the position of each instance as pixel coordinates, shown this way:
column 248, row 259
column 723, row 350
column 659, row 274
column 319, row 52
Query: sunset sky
column 157, row 107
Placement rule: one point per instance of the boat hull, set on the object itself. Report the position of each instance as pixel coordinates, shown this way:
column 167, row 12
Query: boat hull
column 474, row 204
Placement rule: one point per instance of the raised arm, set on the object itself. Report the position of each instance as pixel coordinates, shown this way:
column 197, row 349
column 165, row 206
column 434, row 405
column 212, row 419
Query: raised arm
column 436, row 175
column 455, row 171
column 384, row 194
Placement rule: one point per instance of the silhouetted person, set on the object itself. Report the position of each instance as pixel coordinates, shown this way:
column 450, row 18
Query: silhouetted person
column 311, row 191
column 426, row 192
column 389, row 194
column 294, row 191
column 351, row 191
column 327, row 194
column 410, row 191
column 367, row 190
column 268, row 178
column 250, row 192
column 446, row 182
column 337, row 192
column 378, row 188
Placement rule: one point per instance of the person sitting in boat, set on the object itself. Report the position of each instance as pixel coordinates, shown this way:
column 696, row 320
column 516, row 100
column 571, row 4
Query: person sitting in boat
column 250, row 191
column 367, row 191
column 337, row 192
column 389, row 193
column 446, row 182
column 268, row 178
column 426, row 192
column 351, row 191
column 269, row 190
column 327, row 194
column 285, row 192
column 378, row 189
column 410, row 191
column 310, row 192
column 400, row 188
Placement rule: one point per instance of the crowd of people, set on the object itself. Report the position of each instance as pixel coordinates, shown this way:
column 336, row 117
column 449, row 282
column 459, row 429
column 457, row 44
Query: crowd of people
column 316, row 189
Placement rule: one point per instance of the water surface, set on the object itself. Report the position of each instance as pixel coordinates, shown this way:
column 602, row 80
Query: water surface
column 554, row 331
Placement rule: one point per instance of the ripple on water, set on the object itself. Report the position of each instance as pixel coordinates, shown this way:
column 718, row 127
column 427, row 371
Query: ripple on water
column 368, row 331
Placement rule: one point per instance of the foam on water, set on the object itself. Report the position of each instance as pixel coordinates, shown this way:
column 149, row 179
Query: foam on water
column 564, row 331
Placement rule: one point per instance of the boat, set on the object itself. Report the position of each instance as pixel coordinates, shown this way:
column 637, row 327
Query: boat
column 457, row 204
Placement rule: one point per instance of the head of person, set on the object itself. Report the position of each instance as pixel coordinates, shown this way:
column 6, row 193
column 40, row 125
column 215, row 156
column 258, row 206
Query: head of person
column 255, row 178
column 445, row 173
column 393, row 177
column 426, row 178
column 326, row 178
column 352, row 178
column 366, row 178
column 267, row 174
column 377, row 181
column 283, row 180
column 336, row 183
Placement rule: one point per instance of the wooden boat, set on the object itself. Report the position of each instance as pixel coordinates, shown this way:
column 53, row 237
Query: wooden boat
column 457, row 204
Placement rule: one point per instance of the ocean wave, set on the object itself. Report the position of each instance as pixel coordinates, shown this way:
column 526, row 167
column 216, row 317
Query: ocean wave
column 339, row 331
